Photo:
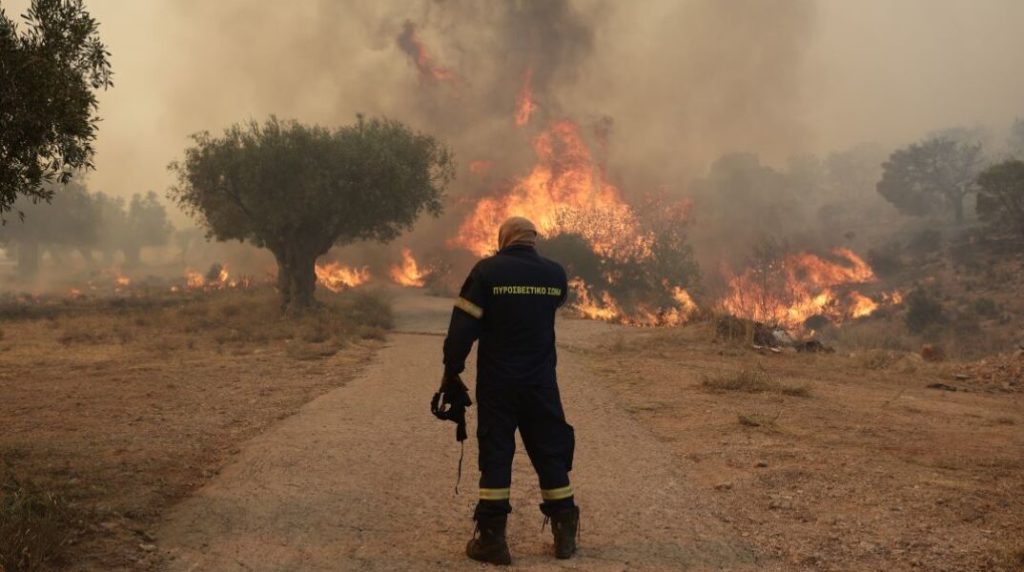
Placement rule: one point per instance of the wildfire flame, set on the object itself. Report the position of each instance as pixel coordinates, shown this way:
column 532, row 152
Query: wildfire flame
column 861, row 305
column 409, row 273
column 803, row 285
column 337, row 277
column 194, row 279
column 603, row 306
column 563, row 193
column 221, row 279
column 409, row 42
column 525, row 105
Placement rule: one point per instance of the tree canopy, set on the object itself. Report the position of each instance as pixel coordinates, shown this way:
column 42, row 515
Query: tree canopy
column 299, row 190
column 49, row 75
column 934, row 175
column 1001, row 196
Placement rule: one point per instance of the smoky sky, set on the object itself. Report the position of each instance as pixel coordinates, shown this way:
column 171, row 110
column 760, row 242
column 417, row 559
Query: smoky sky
column 676, row 82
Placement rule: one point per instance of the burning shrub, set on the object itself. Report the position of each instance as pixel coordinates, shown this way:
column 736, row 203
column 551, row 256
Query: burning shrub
column 574, row 253
column 923, row 311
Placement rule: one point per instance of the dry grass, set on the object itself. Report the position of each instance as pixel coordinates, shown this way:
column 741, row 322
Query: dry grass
column 116, row 408
column 224, row 321
column 757, row 420
column 753, row 380
column 34, row 526
column 942, row 465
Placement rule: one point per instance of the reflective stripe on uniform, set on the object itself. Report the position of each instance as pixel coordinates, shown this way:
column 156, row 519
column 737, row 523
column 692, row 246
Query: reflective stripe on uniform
column 469, row 307
column 556, row 494
column 494, row 494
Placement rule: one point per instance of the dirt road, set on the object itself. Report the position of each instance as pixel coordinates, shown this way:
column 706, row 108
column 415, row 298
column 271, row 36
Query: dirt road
column 362, row 479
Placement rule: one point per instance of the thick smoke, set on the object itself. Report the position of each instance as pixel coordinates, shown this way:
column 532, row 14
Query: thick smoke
column 663, row 88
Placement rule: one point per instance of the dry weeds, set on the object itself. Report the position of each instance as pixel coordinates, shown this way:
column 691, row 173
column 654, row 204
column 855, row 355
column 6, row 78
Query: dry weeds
column 876, row 472
column 753, row 380
column 120, row 407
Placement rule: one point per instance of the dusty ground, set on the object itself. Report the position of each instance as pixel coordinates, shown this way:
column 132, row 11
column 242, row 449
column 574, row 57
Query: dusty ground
column 124, row 407
column 362, row 479
column 871, row 471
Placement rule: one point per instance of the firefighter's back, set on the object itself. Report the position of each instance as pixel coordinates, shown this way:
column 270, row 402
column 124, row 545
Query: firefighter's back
column 517, row 343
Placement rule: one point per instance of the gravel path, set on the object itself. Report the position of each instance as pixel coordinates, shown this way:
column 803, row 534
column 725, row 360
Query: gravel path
column 362, row 479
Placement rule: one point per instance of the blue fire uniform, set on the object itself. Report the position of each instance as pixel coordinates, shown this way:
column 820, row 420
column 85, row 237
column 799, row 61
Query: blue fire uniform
column 508, row 303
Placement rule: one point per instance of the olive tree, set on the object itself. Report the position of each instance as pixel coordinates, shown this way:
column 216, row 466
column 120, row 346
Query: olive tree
column 933, row 175
column 49, row 73
column 299, row 190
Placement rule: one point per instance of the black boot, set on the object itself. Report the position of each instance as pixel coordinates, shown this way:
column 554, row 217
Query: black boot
column 565, row 525
column 488, row 543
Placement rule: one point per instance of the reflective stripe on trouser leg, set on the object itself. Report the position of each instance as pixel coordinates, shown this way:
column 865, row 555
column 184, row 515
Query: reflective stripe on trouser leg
column 494, row 494
column 556, row 494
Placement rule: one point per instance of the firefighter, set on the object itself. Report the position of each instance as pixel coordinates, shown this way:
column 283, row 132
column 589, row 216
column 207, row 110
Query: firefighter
column 508, row 303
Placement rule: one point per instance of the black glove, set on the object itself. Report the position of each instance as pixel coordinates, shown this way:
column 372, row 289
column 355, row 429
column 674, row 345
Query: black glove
column 450, row 403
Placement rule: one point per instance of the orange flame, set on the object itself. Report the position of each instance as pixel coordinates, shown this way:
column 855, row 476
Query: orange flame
column 525, row 105
column 194, row 279
column 409, row 273
column 801, row 286
column 337, row 277
column 604, row 307
column 564, row 193
column 861, row 305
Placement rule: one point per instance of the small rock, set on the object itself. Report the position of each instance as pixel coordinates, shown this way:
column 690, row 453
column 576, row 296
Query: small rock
column 760, row 464
column 962, row 376
column 723, row 487
column 147, row 547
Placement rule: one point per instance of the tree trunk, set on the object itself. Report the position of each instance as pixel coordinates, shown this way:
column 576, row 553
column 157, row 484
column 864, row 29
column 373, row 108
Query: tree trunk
column 296, row 279
column 284, row 282
column 28, row 259
column 303, row 280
